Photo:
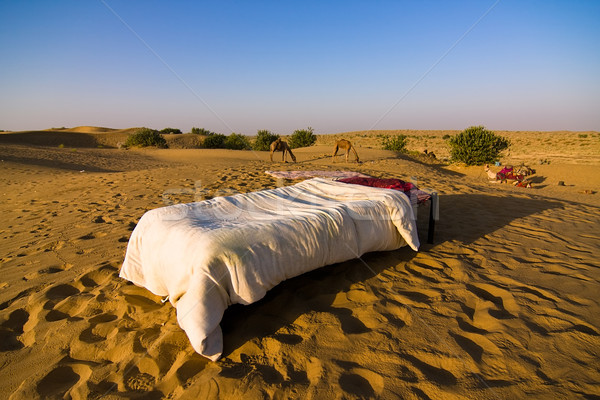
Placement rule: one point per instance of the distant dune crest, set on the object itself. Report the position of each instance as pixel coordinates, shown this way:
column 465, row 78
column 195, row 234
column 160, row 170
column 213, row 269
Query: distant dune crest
column 90, row 129
column 94, row 129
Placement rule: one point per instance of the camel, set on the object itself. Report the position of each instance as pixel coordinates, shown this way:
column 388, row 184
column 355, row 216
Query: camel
column 491, row 174
column 344, row 145
column 507, row 175
column 525, row 170
column 281, row 145
column 429, row 154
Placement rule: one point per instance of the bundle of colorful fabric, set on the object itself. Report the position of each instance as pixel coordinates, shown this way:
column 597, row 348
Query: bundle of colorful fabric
column 408, row 188
column 508, row 173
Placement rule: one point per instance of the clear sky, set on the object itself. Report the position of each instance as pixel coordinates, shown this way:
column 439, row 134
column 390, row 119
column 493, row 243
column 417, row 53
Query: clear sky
column 240, row 66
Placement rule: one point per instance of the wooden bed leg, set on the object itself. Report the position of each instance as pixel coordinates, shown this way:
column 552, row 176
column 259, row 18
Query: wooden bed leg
column 431, row 228
column 433, row 216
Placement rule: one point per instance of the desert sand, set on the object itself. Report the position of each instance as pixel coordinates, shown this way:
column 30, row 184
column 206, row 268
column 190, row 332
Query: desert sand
column 505, row 304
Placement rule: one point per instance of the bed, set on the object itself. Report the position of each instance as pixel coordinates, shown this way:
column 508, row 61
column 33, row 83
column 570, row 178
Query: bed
column 208, row 255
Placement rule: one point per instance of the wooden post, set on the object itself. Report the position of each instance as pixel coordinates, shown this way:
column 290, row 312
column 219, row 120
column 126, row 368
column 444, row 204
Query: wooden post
column 433, row 216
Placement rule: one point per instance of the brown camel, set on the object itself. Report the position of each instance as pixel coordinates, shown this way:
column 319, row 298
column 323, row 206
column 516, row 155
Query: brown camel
column 344, row 145
column 280, row 145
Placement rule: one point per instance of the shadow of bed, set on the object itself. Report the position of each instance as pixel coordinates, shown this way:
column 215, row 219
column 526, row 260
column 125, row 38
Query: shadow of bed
column 314, row 291
column 468, row 217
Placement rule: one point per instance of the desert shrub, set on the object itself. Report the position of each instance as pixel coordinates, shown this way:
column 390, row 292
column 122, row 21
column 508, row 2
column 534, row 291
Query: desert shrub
column 263, row 140
column 173, row 131
column 201, row 131
column 476, row 145
column 446, row 137
column 214, row 141
column 236, row 141
column 145, row 137
column 583, row 135
column 302, row 138
column 396, row 143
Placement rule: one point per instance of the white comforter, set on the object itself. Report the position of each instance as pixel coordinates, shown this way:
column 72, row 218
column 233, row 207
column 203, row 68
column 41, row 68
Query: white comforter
column 210, row 254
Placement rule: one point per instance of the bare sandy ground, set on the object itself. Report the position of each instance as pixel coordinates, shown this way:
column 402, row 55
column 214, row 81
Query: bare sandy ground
column 504, row 304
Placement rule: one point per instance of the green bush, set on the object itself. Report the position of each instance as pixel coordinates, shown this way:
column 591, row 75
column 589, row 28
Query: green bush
column 201, row 131
column 446, row 137
column 236, row 141
column 263, row 140
column 173, row 131
column 145, row 137
column 302, row 138
column 214, row 141
column 396, row 143
column 476, row 146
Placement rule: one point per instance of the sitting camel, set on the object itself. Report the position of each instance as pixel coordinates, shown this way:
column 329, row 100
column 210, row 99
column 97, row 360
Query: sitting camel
column 344, row 145
column 491, row 174
column 280, row 145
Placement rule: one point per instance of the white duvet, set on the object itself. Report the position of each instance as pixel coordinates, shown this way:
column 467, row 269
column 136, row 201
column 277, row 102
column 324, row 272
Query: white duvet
column 210, row 254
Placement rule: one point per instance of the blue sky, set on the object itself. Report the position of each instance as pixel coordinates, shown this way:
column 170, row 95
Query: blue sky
column 240, row 66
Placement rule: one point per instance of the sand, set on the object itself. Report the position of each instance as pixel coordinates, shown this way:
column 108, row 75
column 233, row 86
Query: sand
column 504, row 304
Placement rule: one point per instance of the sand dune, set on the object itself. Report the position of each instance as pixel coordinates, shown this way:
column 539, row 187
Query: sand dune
column 90, row 129
column 504, row 304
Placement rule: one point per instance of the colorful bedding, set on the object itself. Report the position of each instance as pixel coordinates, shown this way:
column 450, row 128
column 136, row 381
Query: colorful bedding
column 407, row 188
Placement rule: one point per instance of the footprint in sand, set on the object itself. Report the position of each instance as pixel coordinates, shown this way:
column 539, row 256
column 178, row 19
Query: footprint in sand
column 356, row 385
column 102, row 219
column 142, row 302
column 287, row 338
column 57, row 382
column 433, row 373
column 359, row 381
column 502, row 298
column 68, row 307
column 139, row 381
column 235, row 370
column 21, row 294
column 61, row 291
column 395, row 312
column 349, row 323
column 88, row 236
column 11, row 329
column 252, row 365
column 44, row 271
column 190, row 368
column 99, row 277
column 102, row 318
column 164, row 353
